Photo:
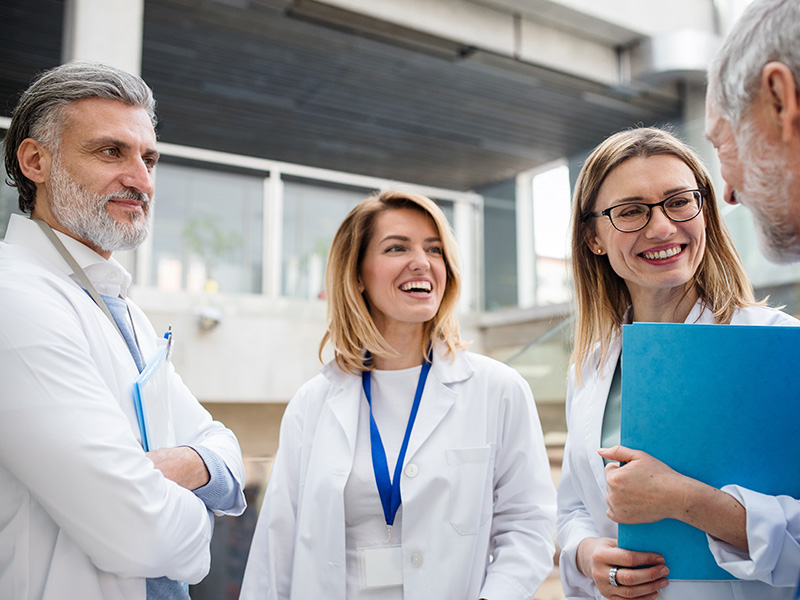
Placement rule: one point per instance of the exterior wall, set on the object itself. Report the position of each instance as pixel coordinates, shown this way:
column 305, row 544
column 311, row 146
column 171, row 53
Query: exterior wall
column 244, row 356
column 266, row 346
column 579, row 37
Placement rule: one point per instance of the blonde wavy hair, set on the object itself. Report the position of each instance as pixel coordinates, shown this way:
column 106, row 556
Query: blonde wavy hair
column 601, row 296
column 350, row 328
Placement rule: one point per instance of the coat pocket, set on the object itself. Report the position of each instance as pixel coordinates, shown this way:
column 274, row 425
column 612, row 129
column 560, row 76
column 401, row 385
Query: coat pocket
column 471, row 487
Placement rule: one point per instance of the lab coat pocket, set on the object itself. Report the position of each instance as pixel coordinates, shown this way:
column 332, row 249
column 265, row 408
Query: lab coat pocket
column 471, row 474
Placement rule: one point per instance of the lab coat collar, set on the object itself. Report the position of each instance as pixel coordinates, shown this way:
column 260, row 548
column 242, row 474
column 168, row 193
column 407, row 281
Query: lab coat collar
column 447, row 369
column 699, row 314
column 437, row 398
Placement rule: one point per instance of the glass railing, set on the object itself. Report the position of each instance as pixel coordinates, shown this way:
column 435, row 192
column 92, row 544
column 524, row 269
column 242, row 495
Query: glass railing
column 544, row 365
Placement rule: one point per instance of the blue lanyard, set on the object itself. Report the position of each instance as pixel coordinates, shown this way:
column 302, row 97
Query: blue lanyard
column 389, row 490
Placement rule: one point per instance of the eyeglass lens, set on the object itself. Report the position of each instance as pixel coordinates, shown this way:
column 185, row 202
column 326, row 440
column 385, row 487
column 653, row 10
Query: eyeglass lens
column 681, row 207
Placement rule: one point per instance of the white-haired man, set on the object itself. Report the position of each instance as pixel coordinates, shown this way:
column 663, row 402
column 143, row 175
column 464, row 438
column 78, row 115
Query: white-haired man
column 85, row 512
column 753, row 120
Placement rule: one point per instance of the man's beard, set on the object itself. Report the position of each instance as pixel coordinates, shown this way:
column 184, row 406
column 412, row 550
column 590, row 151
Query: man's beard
column 767, row 192
column 84, row 214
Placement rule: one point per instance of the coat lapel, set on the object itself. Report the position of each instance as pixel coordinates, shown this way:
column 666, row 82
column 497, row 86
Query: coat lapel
column 438, row 397
column 596, row 408
column 344, row 401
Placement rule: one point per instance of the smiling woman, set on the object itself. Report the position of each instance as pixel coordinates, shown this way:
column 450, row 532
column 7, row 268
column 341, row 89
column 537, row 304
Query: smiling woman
column 648, row 244
column 388, row 241
column 403, row 278
column 408, row 461
column 656, row 255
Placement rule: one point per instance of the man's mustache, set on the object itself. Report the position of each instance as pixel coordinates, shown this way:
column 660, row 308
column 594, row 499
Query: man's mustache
column 129, row 194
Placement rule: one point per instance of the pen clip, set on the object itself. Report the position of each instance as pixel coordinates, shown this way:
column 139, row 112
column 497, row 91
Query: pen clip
column 168, row 337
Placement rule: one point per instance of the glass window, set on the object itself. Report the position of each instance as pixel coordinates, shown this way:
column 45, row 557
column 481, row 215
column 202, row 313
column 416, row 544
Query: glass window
column 207, row 230
column 311, row 215
column 551, row 216
column 448, row 208
column 500, row 245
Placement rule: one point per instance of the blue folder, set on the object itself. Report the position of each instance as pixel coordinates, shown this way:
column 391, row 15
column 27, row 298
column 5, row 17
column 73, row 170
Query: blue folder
column 719, row 403
column 151, row 401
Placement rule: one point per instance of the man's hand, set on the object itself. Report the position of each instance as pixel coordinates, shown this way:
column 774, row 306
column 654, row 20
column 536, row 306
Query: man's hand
column 182, row 465
column 644, row 490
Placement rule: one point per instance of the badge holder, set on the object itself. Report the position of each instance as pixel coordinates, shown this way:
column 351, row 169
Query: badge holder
column 380, row 566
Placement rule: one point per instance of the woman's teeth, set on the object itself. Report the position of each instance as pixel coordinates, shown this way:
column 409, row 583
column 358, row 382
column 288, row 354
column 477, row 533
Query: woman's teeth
column 416, row 286
column 662, row 254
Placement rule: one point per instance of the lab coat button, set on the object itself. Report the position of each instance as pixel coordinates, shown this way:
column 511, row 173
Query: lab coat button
column 416, row 559
column 412, row 470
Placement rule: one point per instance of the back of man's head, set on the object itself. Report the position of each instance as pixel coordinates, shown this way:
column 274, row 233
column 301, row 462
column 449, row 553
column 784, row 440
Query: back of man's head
column 768, row 30
column 40, row 112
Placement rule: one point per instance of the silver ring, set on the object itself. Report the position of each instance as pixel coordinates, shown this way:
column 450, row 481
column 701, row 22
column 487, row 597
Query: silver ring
column 612, row 576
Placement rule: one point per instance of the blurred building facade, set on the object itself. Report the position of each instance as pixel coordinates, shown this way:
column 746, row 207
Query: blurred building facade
column 278, row 116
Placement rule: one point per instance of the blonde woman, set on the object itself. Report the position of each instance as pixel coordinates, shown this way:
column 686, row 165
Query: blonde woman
column 409, row 468
column 648, row 244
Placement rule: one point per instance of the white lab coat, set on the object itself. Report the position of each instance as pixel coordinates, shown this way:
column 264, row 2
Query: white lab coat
column 83, row 512
column 581, row 493
column 482, row 486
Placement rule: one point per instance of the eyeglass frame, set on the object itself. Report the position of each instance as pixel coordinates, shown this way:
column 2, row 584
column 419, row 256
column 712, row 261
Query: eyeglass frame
column 650, row 206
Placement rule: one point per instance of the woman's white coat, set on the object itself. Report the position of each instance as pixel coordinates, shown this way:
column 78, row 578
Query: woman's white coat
column 481, row 486
column 582, row 489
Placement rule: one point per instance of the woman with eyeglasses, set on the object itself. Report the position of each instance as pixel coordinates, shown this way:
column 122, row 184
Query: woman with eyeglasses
column 648, row 244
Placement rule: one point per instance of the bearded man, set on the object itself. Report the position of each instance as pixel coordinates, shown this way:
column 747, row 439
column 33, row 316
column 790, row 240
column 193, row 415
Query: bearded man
column 753, row 120
column 85, row 511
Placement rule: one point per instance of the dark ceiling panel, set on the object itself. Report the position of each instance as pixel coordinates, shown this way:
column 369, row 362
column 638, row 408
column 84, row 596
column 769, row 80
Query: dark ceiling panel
column 247, row 77
column 30, row 42
column 243, row 76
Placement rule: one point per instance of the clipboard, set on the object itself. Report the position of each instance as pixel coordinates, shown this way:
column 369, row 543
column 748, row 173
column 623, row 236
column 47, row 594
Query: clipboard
column 718, row 403
column 152, row 403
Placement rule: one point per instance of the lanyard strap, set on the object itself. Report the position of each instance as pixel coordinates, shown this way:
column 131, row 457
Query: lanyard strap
column 389, row 490
column 76, row 268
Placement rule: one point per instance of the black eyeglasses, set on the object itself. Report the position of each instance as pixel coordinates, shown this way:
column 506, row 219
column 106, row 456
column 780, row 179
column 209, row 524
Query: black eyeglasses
column 633, row 216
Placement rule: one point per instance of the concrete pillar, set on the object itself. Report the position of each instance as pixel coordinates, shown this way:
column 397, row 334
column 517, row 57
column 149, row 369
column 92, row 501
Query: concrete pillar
column 273, row 236
column 526, row 244
column 694, row 110
column 108, row 31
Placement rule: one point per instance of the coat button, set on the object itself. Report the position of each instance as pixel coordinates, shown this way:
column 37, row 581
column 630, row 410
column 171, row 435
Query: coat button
column 416, row 559
column 411, row 470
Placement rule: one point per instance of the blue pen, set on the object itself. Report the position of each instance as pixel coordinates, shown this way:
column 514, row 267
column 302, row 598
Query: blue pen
column 168, row 337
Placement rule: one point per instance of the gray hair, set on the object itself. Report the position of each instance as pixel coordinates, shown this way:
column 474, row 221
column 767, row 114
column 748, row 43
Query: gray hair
column 40, row 113
column 767, row 31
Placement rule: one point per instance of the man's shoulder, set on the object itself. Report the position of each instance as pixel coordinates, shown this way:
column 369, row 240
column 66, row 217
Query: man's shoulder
column 22, row 266
column 763, row 315
column 28, row 282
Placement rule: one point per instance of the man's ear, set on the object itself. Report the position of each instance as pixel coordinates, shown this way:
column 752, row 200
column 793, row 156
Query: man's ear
column 34, row 160
column 782, row 92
